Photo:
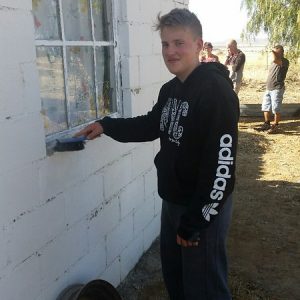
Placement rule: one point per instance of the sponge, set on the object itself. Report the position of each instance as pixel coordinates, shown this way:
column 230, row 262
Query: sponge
column 70, row 144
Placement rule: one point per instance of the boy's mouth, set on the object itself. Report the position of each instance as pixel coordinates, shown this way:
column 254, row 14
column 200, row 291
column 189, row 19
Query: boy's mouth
column 173, row 60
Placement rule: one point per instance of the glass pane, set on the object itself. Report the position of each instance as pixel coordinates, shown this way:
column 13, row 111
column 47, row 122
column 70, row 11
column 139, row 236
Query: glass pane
column 81, row 87
column 102, row 20
column 45, row 14
column 77, row 21
column 50, row 67
column 105, row 80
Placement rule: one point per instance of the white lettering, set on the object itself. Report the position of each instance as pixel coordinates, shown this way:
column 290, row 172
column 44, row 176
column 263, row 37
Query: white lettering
column 223, row 142
column 216, row 195
column 223, row 171
column 225, row 160
column 225, row 154
column 217, row 185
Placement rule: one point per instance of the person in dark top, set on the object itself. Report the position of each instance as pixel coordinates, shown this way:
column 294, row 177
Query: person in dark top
column 235, row 61
column 195, row 118
column 275, row 89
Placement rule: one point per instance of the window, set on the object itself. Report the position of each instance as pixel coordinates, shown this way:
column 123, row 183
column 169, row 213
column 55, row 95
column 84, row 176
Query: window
column 75, row 60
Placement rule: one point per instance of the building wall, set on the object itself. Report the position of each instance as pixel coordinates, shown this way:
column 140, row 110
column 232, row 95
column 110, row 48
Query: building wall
column 76, row 216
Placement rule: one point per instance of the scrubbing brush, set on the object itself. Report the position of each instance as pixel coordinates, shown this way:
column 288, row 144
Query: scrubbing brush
column 70, row 144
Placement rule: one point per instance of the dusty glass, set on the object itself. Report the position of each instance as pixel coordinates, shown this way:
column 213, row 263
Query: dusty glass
column 50, row 68
column 46, row 19
column 105, row 80
column 80, row 83
column 100, row 20
column 77, row 20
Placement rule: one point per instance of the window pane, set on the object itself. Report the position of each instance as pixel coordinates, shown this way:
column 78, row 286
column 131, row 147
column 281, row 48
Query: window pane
column 81, row 88
column 77, row 21
column 50, row 67
column 105, row 80
column 102, row 19
column 45, row 14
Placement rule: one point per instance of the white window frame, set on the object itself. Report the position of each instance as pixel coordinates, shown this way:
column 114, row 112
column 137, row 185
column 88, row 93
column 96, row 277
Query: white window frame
column 51, row 138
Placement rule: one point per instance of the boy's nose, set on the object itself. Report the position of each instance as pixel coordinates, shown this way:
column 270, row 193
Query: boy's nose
column 170, row 50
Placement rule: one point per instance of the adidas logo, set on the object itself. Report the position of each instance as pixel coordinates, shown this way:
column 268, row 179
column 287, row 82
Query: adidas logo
column 225, row 160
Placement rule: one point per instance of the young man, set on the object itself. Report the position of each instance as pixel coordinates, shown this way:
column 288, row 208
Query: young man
column 275, row 89
column 196, row 118
column 235, row 61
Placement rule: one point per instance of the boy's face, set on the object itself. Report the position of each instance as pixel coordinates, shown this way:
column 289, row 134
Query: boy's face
column 180, row 50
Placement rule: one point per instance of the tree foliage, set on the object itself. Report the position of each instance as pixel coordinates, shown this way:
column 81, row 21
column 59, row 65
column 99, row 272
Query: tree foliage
column 280, row 19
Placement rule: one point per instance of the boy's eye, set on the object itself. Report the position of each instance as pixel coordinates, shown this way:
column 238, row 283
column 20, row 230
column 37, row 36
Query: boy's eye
column 179, row 43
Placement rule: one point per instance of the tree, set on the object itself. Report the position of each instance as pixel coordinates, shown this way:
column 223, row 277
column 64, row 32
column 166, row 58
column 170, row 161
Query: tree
column 280, row 19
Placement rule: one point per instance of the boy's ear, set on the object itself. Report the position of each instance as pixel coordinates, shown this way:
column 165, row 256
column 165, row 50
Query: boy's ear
column 200, row 44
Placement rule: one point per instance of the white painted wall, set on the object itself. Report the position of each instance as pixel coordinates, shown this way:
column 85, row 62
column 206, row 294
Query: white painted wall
column 73, row 217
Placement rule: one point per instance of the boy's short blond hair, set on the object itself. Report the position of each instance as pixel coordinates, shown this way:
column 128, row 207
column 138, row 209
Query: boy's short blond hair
column 180, row 17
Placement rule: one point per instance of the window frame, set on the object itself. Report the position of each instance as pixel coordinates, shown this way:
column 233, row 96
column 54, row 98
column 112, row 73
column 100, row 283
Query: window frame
column 63, row 43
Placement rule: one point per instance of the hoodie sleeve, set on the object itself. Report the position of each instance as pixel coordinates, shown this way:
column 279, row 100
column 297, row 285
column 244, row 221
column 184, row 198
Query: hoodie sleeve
column 137, row 129
column 218, row 133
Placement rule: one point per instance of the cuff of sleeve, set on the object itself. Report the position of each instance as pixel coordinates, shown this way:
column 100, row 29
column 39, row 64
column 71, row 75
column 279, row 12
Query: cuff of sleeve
column 190, row 229
column 104, row 123
column 188, row 235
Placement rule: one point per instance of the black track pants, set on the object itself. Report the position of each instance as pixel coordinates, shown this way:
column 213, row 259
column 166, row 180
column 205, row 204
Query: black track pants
column 195, row 273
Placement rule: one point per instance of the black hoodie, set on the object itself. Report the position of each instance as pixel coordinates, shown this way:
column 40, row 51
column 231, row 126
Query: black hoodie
column 196, row 121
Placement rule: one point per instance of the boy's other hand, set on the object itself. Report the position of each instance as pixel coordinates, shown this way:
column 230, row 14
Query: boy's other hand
column 91, row 131
column 184, row 243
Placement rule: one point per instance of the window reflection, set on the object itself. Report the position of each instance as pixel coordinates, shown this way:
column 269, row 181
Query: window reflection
column 104, row 78
column 100, row 20
column 76, row 68
column 77, row 21
column 81, row 88
column 50, row 67
column 45, row 14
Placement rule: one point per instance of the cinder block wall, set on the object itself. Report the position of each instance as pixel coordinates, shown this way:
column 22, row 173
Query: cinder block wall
column 74, row 217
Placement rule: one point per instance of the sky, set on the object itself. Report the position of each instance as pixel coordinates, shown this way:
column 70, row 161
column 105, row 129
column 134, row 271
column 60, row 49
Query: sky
column 221, row 20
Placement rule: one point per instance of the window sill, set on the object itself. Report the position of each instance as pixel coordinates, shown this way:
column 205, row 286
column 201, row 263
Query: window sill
column 51, row 139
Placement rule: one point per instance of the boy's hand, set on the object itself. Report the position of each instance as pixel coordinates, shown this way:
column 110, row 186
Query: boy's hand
column 184, row 243
column 91, row 131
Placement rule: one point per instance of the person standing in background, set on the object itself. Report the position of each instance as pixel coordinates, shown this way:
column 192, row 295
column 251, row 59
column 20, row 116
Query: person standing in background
column 208, row 56
column 273, row 96
column 235, row 61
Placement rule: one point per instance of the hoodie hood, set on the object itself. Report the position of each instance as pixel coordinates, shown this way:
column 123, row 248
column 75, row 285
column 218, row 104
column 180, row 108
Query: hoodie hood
column 212, row 68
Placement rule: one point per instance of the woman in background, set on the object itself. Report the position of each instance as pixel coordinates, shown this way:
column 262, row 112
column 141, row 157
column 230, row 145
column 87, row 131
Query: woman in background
column 207, row 55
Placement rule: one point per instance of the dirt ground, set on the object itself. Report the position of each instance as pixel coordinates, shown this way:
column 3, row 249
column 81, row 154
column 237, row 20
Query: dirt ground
column 263, row 243
column 264, row 238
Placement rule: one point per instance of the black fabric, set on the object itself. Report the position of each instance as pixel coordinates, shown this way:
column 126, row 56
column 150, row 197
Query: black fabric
column 196, row 121
column 198, row 272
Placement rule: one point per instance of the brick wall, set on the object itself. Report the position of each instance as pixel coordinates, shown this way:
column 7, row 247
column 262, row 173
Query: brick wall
column 74, row 217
